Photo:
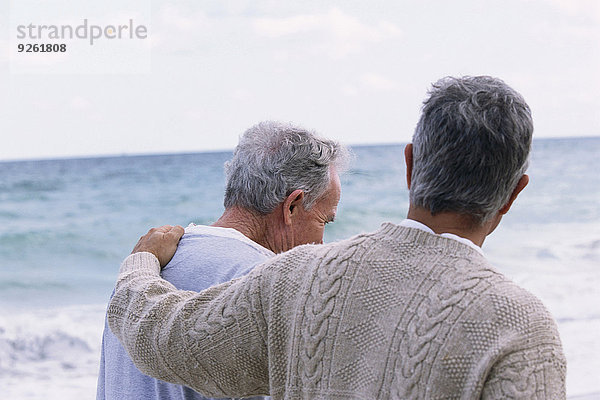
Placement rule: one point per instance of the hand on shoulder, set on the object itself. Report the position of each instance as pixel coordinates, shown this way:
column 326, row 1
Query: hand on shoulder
column 162, row 242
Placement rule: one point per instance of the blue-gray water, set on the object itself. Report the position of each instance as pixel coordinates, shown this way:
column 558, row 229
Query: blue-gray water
column 65, row 225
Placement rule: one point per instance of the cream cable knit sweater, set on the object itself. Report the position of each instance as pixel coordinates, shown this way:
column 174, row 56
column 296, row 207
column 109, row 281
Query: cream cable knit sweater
column 395, row 314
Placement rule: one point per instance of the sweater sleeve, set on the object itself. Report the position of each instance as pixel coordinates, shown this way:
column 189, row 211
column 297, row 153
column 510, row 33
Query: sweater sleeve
column 534, row 373
column 212, row 341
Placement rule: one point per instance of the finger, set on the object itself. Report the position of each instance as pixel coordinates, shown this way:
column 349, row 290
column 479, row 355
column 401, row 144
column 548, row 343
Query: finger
column 164, row 228
column 176, row 232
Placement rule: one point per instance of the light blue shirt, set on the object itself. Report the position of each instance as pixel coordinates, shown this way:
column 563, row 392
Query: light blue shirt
column 206, row 256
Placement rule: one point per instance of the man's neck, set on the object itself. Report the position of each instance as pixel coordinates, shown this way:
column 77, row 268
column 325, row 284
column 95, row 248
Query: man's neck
column 249, row 223
column 448, row 222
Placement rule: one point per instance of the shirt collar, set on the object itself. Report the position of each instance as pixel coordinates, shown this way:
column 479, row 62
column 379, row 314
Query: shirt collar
column 411, row 223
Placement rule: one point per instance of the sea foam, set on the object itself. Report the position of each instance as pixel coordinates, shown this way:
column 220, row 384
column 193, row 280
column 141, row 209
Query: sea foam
column 50, row 353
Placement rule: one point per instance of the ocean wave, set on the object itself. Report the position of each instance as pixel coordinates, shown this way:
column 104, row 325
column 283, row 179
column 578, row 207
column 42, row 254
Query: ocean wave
column 31, row 185
column 31, row 348
column 64, row 338
column 68, row 242
column 558, row 264
column 50, row 353
column 35, row 284
column 36, row 236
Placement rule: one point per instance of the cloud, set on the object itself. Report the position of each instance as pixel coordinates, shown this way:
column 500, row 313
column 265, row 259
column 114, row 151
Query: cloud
column 343, row 33
column 79, row 103
column 578, row 26
column 377, row 82
column 173, row 28
column 349, row 90
column 241, row 95
column 579, row 8
column 3, row 51
column 332, row 32
column 171, row 17
column 370, row 82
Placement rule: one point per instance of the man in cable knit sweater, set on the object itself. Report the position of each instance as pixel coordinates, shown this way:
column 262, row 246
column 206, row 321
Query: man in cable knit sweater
column 411, row 311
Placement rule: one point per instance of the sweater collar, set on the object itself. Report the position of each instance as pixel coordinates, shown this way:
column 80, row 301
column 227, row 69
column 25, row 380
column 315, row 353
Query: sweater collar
column 411, row 223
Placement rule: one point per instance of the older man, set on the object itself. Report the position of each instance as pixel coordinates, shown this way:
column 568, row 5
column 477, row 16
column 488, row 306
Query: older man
column 411, row 311
column 282, row 188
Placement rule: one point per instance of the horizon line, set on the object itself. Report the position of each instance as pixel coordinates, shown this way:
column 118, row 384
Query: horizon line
column 224, row 150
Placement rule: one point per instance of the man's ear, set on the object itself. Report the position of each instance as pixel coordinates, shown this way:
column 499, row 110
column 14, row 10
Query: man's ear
column 408, row 157
column 520, row 186
column 291, row 204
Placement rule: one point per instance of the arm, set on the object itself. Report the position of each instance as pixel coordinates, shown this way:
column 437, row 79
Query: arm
column 210, row 341
column 537, row 372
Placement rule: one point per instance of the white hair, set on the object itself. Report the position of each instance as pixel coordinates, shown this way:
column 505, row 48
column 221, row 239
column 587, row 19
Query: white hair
column 273, row 159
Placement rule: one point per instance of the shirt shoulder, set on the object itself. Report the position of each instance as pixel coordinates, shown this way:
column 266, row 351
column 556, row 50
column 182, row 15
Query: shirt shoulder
column 207, row 256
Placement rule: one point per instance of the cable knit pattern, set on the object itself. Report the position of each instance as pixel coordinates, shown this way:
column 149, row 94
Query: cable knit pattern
column 395, row 314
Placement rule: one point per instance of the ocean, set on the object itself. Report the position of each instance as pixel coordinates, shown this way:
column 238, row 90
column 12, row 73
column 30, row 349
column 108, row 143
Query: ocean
column 65, row 226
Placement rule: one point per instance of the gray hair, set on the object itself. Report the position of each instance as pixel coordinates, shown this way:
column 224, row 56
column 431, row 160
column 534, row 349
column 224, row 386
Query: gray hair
column 272, row 159
column 470, row 147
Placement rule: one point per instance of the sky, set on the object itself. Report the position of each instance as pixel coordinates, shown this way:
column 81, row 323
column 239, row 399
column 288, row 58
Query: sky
column 354, row 71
